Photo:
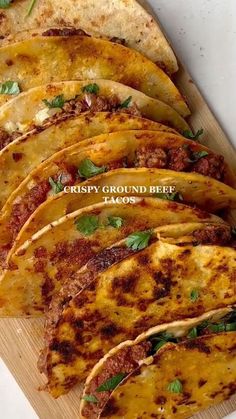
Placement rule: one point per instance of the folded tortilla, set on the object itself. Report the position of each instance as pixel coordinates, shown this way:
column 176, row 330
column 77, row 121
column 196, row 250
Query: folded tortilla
column 29, row 110
column 109, row 152
column 44, row 59
column 23, row 155
column 125, row 20
column 128, row 356
column 154, row 286
column 55, row 254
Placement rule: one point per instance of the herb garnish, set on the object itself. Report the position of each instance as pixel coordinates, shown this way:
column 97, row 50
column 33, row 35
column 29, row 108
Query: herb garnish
column 5, row 4
column 57, row 102
column 175, row 386
column 197, row 156
column 194, row 295
column 88, row 169
column 111, row 383
column 91, row 88
column 139, row 240
column 9, row 88
column 161, row 339
column 90, row 398
column 193, row 333
column 126, row 103
column 188, row 134
column 115, row 222
column 87, row 224
column 175, row 196
column 57, row 186
column 31, row 6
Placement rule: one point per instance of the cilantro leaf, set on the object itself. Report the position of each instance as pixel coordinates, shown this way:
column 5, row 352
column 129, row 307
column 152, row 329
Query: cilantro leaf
column 139, row 240
column 57, row 102
column 126, row 103
column 91, row 88
column 111, row 383
column 116, row 222
column 31, row 6
column 230, row 327
column 57, row 186
column 193, row 333
column 5, row 4
column 175, row 386
column 194, row 295
column 88, row 169
column 90, row 398
column 175, row 196
column 161, row 340
column 188, row 134
column 87, row 224
column 9, row 88
column 197, row 156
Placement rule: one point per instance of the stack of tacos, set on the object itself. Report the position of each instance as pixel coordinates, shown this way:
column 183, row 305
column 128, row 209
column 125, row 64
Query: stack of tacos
column 137, row 283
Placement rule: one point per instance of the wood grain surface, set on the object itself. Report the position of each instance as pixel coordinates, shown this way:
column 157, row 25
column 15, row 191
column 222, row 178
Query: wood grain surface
column 22, row 339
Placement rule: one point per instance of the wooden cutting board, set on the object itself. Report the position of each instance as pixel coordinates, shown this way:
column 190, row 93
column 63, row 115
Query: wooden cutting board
column 22, row 339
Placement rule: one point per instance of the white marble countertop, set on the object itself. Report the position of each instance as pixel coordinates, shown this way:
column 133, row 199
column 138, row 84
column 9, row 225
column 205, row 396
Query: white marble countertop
column 203, row 33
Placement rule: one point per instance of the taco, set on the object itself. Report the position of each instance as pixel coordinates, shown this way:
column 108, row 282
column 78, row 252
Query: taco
column 33, row 62
column 55, row 254
column 23, row 155
column 125, row 21
column 153, row 286
column 109, row 152
column 45, row 105
column 129, row 148
column 177, row 370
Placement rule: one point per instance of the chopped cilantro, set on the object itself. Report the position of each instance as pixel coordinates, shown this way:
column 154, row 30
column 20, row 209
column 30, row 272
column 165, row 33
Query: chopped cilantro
column 126, row 103
column 87, row 224
column 194, row 295
column 9, row 88
column 188, row 134
column 57, row 186
column 88, row 169
column 115, row 222
column 139, row 240
column 197, row 156
column 5, row 4
column 193, row 333
column 90, row 398
column 175, row 386
column 111, row 383
column 91, row 88
column 57, row 102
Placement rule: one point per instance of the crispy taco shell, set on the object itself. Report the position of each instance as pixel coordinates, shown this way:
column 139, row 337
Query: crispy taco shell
column 125, row 20
column 33, row 62
column 144, row 290
column 28, row 110
column 205, row 367
column 109, row 151
column 23, row 155
column 128, row 356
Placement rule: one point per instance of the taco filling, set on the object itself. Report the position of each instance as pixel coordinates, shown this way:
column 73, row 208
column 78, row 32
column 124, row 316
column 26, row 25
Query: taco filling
column 59, row 109
column 124, row 361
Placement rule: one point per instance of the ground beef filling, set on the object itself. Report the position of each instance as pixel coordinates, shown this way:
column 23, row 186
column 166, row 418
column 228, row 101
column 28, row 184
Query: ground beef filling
column 214, row 235
column 64, row 32
column 125, row 361
column 181, row 159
